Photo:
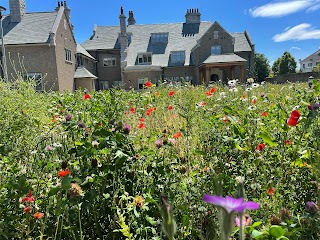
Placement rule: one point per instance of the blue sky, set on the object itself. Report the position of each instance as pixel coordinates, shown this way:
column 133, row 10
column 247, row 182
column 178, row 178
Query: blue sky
column 274, row 26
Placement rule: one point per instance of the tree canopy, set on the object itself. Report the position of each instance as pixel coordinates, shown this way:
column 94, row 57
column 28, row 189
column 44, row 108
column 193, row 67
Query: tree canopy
column 262, row 68
column 285, row 64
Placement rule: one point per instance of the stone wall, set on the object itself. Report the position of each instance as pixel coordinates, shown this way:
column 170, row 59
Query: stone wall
column 291, row 77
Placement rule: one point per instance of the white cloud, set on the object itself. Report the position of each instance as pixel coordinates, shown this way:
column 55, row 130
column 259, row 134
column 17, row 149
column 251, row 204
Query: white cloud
column 287, row 28
column 302, row 31
column 281, row 9
column 295, row 48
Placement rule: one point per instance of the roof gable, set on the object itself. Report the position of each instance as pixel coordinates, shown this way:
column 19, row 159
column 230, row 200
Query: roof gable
column 314, row 56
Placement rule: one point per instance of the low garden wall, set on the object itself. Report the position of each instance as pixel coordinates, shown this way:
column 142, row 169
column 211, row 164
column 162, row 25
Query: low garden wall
column 291, row 77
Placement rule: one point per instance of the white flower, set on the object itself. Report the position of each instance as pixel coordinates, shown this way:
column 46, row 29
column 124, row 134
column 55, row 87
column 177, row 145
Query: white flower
column 233, row 89
column 255, row 85
column 263, row 83
column 57, row 145
column 248, row 89
column 252, row 108
column 250, row 80
column 240, row 179
column 94, row 143
column 232, row 82
column 223, row 94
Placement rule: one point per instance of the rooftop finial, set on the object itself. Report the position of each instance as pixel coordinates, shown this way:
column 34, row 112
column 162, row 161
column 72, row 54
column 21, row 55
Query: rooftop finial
column 121, row 10
column 58, row 4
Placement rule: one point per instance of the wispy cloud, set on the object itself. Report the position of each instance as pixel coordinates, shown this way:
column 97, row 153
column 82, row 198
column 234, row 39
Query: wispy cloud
column 295, row 48
column 280, row 9
column 302, row 31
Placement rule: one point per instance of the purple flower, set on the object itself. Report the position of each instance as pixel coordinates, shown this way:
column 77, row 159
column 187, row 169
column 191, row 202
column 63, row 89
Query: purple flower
column 311, row 207
column 158, row 143
column 68, row 117
column 126, row 128
column 230, row 204
column 81, row 124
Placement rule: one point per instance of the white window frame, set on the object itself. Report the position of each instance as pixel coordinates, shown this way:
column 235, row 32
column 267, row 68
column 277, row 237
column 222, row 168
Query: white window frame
column 215, row 34
column 178, row 56
column 37, row 77
column 215, row 49
column 159, row 37
column 143, row 58
column 109, row 61
column 68, row 55
column 309, row 65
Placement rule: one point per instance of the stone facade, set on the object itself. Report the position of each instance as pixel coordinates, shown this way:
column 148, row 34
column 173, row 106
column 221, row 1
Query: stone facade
column 291, row 77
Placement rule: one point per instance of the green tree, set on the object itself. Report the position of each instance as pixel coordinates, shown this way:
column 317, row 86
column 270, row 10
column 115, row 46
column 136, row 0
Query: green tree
column 262, row 68
column 285, row 64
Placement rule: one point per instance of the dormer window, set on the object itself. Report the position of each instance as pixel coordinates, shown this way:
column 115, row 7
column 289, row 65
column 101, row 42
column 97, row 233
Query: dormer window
column 178, row 57
column 159, row 37
column 144, row 58
column 215, row 49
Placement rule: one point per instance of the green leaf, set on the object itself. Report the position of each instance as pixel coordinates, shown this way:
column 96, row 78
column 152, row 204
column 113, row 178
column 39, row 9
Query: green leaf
column 267, row 139
column 53, row 191
column 65, row 183
column 276, row 231
column 106, row 195
column 78, row 143
column 151, row 220
column 256, row 224
column 240, row 148
column 257, row 234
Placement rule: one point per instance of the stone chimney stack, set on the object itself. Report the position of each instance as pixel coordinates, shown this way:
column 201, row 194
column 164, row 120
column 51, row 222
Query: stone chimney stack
column 193, row 16
column 123, row 38
column 131, row 20
column 17, row 10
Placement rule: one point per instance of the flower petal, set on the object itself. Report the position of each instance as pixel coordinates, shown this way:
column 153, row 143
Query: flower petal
column 216, row 200
column 246, row 205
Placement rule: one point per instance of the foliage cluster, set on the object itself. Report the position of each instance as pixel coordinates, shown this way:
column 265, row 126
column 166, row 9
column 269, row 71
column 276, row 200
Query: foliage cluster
column 99, row 166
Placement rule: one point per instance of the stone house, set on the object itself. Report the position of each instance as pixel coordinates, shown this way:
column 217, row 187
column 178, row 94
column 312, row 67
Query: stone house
column 307, row 64
column 40, row 46
column 196, row 51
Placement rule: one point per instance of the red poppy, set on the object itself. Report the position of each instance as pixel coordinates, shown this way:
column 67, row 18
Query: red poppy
column 209, row 94
column 212, row 90
column 29, row 198
column 171, row 93
column 170, row 107
column 271, row 191
column 148, row 84
column 64, row 173
column 260, row 146
column 141, row 119
column 294, row 117
column 243, row 96
column 132, row 110
column 157, row 94
column 27, row 209
column 38, row 215
column 177, row 135
column 154, row 108
column 141, row 125
column 202, row 104
column 254, row 101
column 87, row 96
column 149, row 111
column 288, row 142
column 264, row 114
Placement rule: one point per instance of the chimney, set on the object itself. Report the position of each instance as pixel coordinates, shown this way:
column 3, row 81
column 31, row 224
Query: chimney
column 131, row 20
column 193, row 16
column 17, row 10
column 123, row 38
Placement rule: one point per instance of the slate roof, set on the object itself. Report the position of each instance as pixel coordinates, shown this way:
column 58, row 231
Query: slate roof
column 82, row 72
column 314, row 56
column 181, row 37
column 241, row 43
column 84, row 52
column 224, row 58
column 34, row 28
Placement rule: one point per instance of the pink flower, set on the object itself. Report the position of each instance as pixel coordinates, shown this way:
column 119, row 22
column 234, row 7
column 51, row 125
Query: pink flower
column 246, row 220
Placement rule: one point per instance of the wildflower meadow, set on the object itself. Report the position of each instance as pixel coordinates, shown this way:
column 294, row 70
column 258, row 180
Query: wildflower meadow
column 174, row 161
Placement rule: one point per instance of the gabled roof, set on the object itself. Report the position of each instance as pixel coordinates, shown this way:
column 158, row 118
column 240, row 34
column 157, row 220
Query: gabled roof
column 34, row 28
column 314, row 56
column 82, row 72
column 224, row 58
column 181, row 37
column 241, row 43
column 84, row 52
